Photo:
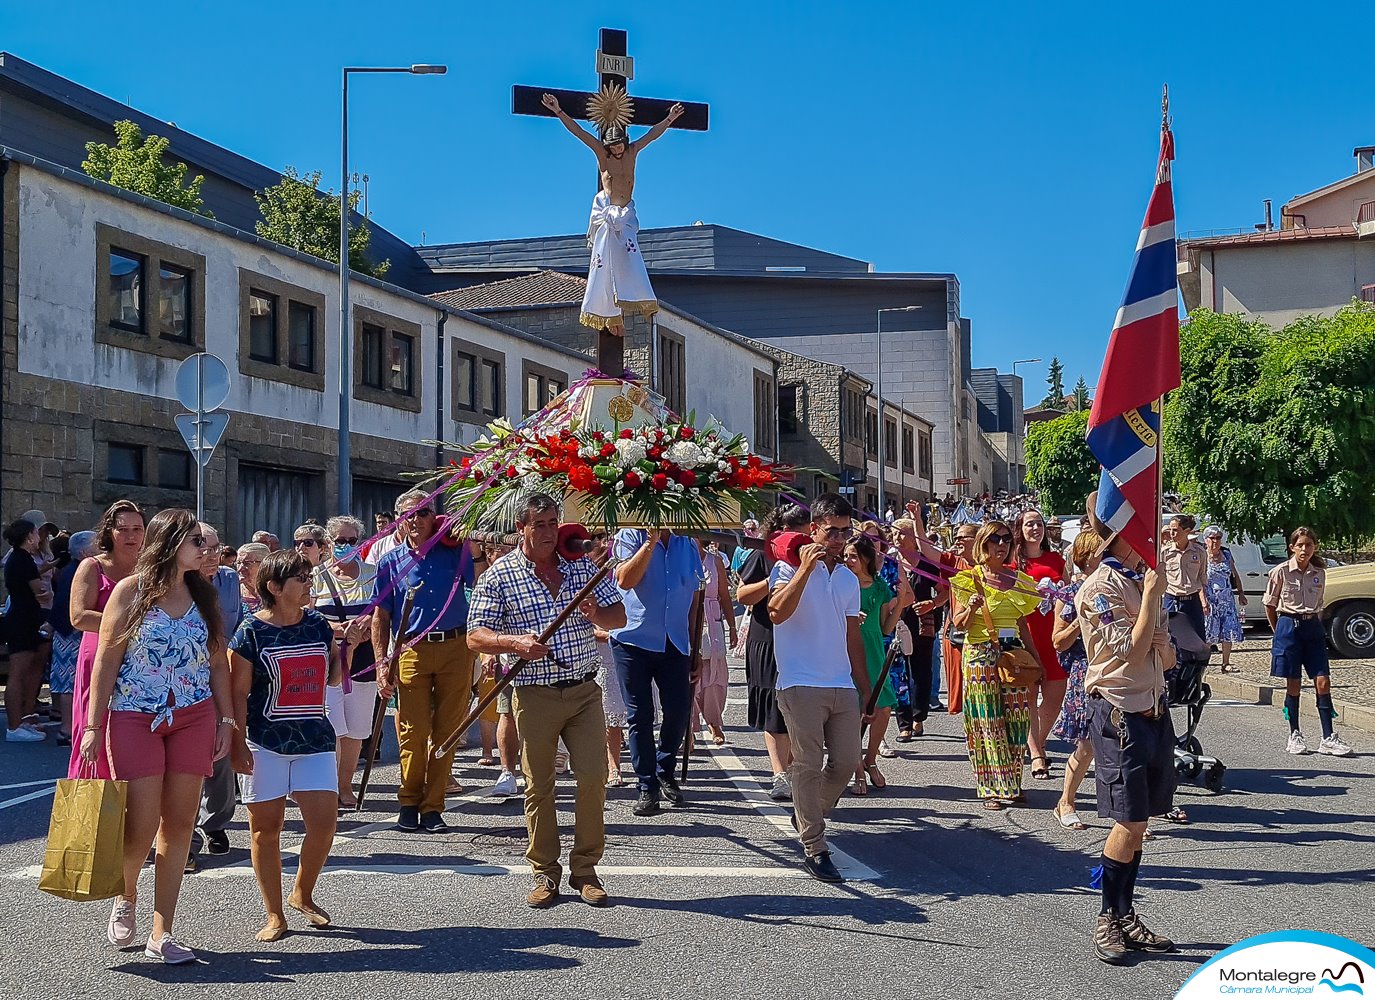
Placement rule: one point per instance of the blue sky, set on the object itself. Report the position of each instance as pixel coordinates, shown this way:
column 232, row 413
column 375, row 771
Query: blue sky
column 1011, row 144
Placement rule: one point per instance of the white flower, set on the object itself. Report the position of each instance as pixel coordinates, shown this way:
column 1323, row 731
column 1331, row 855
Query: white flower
column 620, row 485
column 686, row 454
column 629, row 452
column 675, row 486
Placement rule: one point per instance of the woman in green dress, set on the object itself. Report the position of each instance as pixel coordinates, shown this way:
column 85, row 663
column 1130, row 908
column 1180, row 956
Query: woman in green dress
column 879, row 611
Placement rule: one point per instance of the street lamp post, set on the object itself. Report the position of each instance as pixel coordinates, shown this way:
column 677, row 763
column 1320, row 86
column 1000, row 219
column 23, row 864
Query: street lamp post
column 878, row 387
column 1020, row 443
column 345, row 333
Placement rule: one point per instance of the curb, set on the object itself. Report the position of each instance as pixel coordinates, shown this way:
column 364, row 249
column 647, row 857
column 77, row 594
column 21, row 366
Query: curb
column 1349, row 714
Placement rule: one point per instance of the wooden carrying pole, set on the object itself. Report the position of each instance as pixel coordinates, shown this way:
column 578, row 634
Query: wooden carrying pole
column 441, row 749
column 877, row 689
column 694, row 651
column 380, row 712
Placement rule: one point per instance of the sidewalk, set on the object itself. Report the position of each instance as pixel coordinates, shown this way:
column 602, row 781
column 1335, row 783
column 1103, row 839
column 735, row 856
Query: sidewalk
column 1353, row 684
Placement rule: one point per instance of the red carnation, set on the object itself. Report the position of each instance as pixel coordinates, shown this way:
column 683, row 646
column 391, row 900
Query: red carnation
column 511, row 472
column 656, row 452
column 686, row 432
column 608, row 450
column 627, row 434
column 660, row 481
column 687, row 477
column 580, row 476
column 633, row 480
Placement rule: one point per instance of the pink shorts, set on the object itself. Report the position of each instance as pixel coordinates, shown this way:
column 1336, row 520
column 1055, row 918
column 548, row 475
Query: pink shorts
column 185, row 746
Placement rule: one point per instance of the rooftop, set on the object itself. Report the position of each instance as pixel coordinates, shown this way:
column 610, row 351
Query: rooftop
column 544, row 288
column 1274, row 236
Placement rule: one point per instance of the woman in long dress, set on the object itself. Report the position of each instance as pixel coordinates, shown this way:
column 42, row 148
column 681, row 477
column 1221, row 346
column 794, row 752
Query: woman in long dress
column 1222, row 624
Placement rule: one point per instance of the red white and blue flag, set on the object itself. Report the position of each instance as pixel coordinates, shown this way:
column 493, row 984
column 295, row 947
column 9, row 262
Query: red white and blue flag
column 1142, row 364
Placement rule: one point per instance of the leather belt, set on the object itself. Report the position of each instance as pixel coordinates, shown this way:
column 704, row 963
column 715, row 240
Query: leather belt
column 574, row 682
column 453, row 633
column 1153, row 713
column 1303, row 616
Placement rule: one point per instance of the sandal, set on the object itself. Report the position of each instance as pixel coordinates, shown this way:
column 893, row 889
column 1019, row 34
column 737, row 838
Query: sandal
column 994, row 805
column 486, row 762
column 1177, row 815
column 1069, row 820
column 1041, row 773
column 876, row 777
column 904, row 736
column 859, row 787
column 1148, row 835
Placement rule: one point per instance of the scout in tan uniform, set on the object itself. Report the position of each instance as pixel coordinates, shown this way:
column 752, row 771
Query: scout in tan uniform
column 1293, row 603
column 1122, row 623
column 1185, row 564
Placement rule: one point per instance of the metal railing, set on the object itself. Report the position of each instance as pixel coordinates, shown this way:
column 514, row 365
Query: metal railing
column 1366, row 213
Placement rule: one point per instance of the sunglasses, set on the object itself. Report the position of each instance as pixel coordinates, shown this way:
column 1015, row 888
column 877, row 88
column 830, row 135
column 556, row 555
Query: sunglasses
column 419, row 512
column 346, row 541
column 197, row 540
column 1001, row 539
column 838, row 532
column 308, row 542
column 303, row 578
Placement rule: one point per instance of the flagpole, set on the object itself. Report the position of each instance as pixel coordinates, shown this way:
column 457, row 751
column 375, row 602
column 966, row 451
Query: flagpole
column 1160, row 400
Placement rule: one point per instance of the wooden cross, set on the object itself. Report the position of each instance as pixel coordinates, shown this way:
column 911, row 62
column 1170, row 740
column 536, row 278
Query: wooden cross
column 614, row 66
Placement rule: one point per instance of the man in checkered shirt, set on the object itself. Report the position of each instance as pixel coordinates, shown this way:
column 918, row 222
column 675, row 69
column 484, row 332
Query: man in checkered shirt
column 557, row 694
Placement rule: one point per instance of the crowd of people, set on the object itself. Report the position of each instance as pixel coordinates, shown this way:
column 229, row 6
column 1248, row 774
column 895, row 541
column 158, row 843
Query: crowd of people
column 208, row 677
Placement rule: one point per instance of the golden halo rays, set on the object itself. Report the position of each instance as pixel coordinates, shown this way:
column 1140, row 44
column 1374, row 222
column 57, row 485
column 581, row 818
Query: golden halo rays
column 610, row 106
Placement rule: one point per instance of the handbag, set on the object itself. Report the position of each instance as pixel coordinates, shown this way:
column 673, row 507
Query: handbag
column 84, row 859
column 1016, row 666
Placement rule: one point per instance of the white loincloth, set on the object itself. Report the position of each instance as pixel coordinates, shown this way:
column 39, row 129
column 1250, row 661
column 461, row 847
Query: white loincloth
column 617, row 282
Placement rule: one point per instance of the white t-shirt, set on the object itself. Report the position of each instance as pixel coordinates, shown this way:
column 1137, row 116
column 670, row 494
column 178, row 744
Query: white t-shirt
column 811, row 647
column 381, row 547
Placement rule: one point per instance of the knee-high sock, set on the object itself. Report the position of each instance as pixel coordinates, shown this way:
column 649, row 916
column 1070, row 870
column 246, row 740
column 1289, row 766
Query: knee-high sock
column 1291, row 709
column 1116, row 875
column 1325, row 713
column 1128, row 889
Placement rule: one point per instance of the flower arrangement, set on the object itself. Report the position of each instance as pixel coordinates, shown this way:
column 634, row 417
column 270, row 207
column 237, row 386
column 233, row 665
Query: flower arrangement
column 667, row 475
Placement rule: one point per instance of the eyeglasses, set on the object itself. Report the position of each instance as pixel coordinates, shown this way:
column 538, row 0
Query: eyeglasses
column 838, row 532
column 346, row 541
column 308, row 542
column 419, row 512
column 1001, row 539
column 303, row 578
column 197, row 540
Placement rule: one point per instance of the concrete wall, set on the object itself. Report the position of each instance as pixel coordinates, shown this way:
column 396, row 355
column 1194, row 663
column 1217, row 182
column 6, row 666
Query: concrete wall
column 1337, row 208
column 1278, row 283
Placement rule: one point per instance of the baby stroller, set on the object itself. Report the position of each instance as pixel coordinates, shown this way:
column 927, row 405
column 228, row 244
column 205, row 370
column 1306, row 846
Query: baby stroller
column 1186, row 689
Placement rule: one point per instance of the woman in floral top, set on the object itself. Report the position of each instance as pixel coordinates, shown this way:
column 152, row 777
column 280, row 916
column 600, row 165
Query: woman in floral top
column 160, row 684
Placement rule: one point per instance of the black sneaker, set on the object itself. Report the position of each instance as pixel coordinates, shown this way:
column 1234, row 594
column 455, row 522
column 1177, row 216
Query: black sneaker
column 646, row 805
column 1108, row 943
column 216, row 842
column 671, row 791
column 408, row 819
column 1139, row 937
column 433, row 822
column 192, row 865
column 822, row 869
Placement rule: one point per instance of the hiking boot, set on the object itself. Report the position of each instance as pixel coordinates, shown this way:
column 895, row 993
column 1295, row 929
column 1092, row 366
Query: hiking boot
column 1108, row 943
column 1139, row 937
column 544, row 893
column 821, row 868
column 646, row 805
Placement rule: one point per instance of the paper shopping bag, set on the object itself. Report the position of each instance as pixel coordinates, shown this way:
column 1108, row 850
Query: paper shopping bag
column 85, row 855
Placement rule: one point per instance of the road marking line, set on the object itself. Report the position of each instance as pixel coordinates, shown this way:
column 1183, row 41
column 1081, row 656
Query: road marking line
column 28, row 784
column 747, row 783
column 342, row 866
column 41, row 793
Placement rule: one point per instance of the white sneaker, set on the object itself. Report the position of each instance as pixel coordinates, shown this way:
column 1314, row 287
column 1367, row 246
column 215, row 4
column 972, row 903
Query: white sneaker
column 169, row 951
column 782, row 790
column 506, row 785
column 24, row 735
column 884, row 750
column 1296, row 744
column 1334, row 745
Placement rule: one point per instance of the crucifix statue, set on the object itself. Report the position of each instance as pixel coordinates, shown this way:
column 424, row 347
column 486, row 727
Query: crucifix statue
column 617, row 279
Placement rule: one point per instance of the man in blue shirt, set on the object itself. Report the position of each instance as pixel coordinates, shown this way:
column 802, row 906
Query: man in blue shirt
column 434, row 679
column 659, row 577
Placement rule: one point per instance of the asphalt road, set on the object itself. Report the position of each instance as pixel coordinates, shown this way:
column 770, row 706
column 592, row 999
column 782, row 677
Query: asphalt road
column 709, row 900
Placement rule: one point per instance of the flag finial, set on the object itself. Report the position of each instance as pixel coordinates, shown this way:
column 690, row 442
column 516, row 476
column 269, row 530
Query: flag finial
column 1165, row 108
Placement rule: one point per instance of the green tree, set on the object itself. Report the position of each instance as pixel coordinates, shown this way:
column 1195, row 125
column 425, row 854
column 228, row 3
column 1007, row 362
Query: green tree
column 136, row 163
column 1059, row 465
column 1273, row 429
column 296, row 214
column 1055, row 382
column 1080, row 399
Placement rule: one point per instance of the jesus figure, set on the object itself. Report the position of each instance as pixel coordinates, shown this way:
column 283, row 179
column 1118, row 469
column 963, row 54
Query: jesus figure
column 617, row 280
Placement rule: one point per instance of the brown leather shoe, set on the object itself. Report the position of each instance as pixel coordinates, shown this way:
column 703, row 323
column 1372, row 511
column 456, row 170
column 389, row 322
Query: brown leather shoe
column 544, row 893
column 590, row 889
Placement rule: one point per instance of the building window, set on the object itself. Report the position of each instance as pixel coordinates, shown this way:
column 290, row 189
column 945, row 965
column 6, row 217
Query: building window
column 279, row 328
column 871, row 433
column 890, row 442
column 787, row 411
column 150, row 296
column 174, row 470
column 924, row 455
column 124, row 290
column 673, row 370
column 374, row 355
column 262, row 326
column 542, row 386
column 174, row 302
column 765, row 414
column 909, row 457
column 125, row 464
column 301, row 336
column 402, row 363
column 478, row 377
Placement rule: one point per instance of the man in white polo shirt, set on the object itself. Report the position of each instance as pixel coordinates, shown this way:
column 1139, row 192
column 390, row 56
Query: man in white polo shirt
column 822, row 678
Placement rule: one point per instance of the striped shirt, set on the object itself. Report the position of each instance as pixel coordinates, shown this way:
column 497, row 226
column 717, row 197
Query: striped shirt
column 511, row 599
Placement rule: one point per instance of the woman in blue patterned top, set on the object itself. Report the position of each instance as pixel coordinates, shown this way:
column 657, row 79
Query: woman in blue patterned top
column 281, row 660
